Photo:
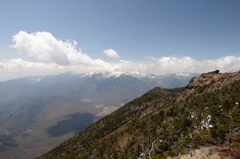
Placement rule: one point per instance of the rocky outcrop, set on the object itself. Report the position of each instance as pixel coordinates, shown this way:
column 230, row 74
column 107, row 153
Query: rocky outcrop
column 209, row 74
column 202, row 79
column 214, row 78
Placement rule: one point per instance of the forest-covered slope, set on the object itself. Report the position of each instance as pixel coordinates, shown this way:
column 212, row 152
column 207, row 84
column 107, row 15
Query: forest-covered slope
column 165, row 122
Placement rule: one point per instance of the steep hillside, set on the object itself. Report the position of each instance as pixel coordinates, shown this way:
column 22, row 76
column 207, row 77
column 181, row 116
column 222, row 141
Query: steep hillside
column 165, row 122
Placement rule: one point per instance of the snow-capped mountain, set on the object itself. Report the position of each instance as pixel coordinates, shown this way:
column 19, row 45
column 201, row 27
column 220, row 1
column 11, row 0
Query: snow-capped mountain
column 117, row 74
column 86, row 83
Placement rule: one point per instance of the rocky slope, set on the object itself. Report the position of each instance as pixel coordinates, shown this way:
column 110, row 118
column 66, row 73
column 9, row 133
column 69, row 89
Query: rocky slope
column 165, row 123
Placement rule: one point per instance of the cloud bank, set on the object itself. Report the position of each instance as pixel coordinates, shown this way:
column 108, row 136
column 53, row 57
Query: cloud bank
column 187, row 64
column 57, row 56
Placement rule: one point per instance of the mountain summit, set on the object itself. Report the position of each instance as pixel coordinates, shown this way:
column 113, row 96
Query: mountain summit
column 166, row 122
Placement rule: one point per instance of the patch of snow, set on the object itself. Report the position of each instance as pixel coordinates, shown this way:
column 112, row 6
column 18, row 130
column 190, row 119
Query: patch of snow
column 183, row 74
column 35, row 79
column 193, row 114
column 117, row 73
column 6, row 132
column 206, row 122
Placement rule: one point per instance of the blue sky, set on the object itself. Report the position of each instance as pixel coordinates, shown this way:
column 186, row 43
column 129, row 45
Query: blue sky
column 157, row 36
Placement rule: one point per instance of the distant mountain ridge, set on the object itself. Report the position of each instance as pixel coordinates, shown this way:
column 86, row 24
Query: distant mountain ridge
column 36, row 85
column 35, row 108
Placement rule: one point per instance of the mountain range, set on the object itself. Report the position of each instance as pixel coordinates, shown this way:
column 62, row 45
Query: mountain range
column 38, row 113
column 200, row 120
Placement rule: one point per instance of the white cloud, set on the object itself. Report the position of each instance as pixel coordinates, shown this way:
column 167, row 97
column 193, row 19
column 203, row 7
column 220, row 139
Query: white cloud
column 111, row 53
column 57, row 56
column 186, row 64
column 19, row 68
column 165, row 65
column 44, row 46
column 15, row 68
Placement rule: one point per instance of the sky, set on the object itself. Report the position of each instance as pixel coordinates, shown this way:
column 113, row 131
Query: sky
column 158, row 36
